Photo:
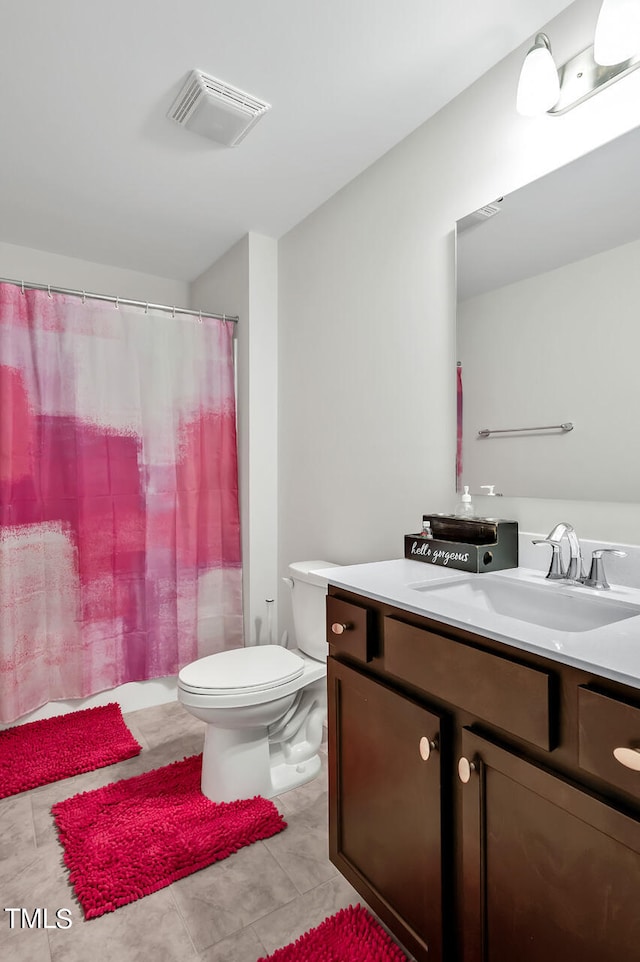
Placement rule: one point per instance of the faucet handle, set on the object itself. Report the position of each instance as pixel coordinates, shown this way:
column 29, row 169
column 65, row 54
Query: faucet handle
column 556, row 570
column 597, row 577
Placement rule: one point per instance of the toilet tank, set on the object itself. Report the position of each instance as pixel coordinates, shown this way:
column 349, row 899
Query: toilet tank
column 308, row 592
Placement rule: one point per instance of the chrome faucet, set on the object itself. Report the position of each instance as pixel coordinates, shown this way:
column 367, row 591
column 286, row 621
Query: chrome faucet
column 575, row 570
column 597, row 577
column 557, row 572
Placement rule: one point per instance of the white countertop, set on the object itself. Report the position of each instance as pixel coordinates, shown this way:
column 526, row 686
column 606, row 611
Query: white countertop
column 612, row 651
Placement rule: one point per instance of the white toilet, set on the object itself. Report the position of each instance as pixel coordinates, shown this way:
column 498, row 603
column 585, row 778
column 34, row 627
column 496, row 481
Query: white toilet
column 264, row 705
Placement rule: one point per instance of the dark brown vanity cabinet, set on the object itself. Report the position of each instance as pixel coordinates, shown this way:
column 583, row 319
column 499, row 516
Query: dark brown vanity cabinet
column 550, row 870
column 386, row 799
column 476, row 802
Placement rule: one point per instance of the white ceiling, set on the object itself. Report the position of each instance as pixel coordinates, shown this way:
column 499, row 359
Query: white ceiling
column 91, row 167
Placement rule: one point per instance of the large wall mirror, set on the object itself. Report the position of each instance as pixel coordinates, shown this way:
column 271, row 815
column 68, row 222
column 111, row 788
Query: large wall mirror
column 548, row 333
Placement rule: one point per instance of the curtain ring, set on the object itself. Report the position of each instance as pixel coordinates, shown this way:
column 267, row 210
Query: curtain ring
column 84, row 296
column 224, row 318
column 49, row 289
column 200, row 317
column 22, row 286
column 146, row 309
column 117, row 303
column 173, row 313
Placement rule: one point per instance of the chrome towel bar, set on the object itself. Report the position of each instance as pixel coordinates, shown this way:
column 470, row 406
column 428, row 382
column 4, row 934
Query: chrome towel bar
column 566, row 426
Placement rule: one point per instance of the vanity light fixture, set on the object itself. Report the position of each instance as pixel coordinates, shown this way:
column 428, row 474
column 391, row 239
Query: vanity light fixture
column 539, row 84
column 614, row 54
column 617, row 35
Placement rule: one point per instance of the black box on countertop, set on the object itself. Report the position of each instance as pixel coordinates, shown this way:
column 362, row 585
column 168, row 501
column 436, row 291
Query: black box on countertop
column 469, row 544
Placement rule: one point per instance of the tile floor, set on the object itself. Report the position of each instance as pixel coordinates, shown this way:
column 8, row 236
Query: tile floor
column 237, row 910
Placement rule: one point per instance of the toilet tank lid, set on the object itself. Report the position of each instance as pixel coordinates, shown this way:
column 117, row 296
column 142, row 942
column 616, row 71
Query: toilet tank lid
column 310, row 572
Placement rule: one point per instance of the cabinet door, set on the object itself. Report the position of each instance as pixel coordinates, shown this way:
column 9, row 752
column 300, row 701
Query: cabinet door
column 385, row 805
column 550, row 871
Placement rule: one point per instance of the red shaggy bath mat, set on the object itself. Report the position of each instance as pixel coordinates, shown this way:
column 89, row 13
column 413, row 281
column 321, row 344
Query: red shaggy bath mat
column 45, row 751
column 351, row 935
column 136, row 836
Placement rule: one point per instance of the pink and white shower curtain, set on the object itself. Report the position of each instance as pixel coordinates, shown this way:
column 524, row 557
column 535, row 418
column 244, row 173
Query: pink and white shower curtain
column 119, row 523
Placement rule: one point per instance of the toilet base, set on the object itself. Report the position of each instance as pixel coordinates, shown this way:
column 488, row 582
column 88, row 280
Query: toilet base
column 286, row 777
column 235, row 764
column 241, row 763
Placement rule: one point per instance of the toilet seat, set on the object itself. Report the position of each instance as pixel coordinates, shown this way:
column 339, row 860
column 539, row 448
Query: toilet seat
column 242, row 671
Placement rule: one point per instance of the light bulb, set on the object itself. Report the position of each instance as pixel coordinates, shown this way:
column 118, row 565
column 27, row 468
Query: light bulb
column 539, row 84
column 617, row 35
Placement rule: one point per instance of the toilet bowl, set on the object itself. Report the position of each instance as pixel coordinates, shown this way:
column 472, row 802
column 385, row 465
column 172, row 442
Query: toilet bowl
column 264, row 705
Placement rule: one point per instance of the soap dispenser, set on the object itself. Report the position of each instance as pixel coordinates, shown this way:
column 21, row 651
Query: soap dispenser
column 426, row 529
column 464, row 508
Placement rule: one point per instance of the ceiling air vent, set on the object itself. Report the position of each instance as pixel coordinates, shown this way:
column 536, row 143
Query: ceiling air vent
column 480, row 215
column 216, row 110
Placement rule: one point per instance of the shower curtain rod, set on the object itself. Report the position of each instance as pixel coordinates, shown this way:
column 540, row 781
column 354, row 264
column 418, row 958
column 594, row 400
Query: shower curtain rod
column 117, row 300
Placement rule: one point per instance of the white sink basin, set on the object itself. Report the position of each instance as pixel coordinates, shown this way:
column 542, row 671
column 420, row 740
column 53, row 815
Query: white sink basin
column 548, row 605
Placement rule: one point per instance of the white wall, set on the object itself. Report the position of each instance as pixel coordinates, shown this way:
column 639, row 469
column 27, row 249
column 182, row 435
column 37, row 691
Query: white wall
column 43, row 267
column 244, row 282
column 367, row 318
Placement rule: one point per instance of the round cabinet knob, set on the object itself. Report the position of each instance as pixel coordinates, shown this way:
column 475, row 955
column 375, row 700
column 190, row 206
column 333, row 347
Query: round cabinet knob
column 465, row 767
column 339, row 629
column 426, row 746
column 629, row 757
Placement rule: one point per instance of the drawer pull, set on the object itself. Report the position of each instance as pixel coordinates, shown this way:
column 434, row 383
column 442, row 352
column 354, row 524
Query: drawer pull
column 339, row 629
column 465, row 768
column 629, row 757
column 426, row 746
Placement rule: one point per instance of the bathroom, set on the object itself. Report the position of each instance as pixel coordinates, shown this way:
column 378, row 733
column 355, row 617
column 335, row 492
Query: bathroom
column 346, row 341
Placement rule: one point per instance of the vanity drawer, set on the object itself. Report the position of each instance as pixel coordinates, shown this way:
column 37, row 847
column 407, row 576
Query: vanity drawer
column 349, row 629
column 606, row 725
column 514, row 697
